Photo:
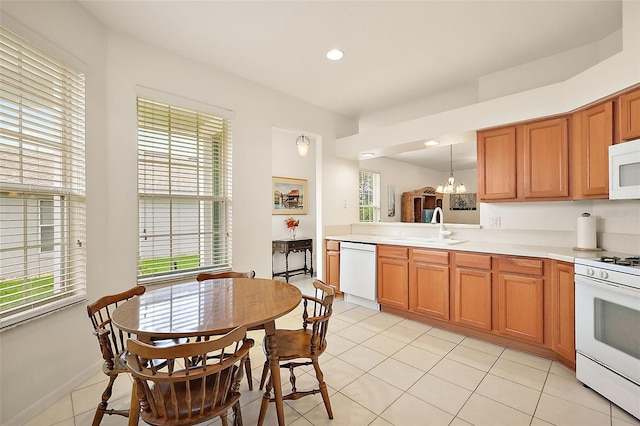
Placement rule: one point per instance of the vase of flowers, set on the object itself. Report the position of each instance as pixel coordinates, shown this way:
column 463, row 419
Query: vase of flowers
column 292, row 224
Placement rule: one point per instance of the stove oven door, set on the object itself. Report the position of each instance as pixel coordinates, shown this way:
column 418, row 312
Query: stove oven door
column 608, row 325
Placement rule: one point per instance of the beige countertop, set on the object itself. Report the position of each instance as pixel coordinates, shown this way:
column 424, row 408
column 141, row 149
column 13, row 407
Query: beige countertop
column 565, row 254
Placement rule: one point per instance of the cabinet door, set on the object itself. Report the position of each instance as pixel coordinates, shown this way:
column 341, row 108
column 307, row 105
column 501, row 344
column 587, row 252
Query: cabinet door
column 630, row 115
column 545, row 156
column 472, row 298
column 407, row 208
column 429, row 289
column 520, row 307
column 594, row 136
column 333, row 270
column 563, row 310
column 497, row 164
column 393, row 282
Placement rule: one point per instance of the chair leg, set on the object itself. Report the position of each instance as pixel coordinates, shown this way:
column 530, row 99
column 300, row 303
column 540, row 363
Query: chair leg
column 247, row 369
column 265, row 372
column 102, row 406
column 223, row 419
column 323, row 388
column 97, row 418
column 134, row 410
column 237, row 414
column 266, row 398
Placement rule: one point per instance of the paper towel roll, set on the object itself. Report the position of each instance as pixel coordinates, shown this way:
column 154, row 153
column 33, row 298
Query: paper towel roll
column 586, row 232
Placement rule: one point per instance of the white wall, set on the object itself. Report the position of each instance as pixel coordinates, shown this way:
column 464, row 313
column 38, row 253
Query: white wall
column 46, row 358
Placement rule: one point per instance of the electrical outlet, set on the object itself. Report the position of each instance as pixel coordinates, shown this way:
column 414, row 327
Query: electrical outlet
column 344, row 204
column 374, row 232
column 395, row 233
column 495, row 222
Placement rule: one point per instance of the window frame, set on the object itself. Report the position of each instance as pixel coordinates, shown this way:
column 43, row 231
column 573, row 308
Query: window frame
column 42, row 147
column 208, row 170
column 372, row 201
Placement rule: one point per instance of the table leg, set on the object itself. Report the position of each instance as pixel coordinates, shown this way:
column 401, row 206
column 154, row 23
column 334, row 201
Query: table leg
column 286, row 266
column 274, row 366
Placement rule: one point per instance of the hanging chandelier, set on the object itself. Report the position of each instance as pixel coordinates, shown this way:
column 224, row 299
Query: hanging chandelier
column 451, row 186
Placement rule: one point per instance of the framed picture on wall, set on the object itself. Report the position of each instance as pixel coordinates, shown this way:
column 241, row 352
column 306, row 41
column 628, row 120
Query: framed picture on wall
column 462, row 201
column 289, row 195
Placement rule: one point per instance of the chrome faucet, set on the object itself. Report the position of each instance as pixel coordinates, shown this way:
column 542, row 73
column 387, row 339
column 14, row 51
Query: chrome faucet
column 442, row 232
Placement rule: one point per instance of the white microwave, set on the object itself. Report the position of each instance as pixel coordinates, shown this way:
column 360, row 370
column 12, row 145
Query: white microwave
column 624, row 171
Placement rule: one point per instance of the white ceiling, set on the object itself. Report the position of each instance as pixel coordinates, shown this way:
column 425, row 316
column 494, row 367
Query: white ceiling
column 395, row 51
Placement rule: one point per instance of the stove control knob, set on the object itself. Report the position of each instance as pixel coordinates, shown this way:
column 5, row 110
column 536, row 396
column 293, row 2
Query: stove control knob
column 604, row 275
column 590, row 272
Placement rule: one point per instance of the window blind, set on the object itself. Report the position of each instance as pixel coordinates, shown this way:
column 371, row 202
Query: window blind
column 42, row 181
column 369, row 190
column 184, row 191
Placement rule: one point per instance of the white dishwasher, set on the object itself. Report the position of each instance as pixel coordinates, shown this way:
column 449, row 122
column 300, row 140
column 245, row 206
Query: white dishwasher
column 358, row 274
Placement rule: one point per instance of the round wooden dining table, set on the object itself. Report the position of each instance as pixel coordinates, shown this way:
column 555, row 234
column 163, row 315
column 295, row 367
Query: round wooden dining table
column 212, row 307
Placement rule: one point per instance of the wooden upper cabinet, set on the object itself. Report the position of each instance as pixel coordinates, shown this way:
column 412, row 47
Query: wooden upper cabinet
column 630, row 115
column 592, row 136
column 497, row 164
column 545, row 157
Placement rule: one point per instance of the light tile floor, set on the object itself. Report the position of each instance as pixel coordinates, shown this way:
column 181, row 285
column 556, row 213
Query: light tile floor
column 385, row 370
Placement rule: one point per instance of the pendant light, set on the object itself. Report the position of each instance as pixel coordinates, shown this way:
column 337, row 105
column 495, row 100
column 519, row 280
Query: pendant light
column 303, row 143
column 451, row 186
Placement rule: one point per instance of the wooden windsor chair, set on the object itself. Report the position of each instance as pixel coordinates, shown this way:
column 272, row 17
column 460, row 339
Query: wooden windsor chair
column 173, row 395
column 309, row 343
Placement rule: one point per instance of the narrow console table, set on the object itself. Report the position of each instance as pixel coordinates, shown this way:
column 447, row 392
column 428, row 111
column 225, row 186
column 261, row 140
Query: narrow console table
column 292, row 246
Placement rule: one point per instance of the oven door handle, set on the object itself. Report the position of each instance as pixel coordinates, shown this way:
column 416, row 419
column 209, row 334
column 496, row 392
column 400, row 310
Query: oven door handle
column 616, row 288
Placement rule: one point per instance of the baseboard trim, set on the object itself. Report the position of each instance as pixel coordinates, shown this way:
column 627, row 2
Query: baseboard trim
column 54, row 396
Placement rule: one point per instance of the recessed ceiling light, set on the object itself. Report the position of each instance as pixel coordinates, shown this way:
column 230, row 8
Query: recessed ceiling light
column 367, row 154
column 335, row 54
column 431, row 143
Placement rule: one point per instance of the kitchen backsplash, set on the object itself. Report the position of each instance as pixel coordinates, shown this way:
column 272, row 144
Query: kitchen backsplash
column 545, row 224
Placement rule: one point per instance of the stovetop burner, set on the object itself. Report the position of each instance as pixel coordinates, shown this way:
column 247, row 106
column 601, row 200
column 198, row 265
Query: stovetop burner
column 627, row 261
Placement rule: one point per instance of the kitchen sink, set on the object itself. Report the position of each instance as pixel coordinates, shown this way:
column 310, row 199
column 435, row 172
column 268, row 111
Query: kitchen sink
column 428, row 240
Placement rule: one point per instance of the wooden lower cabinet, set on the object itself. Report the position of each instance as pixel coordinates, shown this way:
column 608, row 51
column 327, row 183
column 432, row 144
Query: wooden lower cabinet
column 332, row 264
column 563, row 309
column 520, row 302
column 520, row 306
column 429, row 283
column 472, row 290
column 521, row 298
column 393, row 276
